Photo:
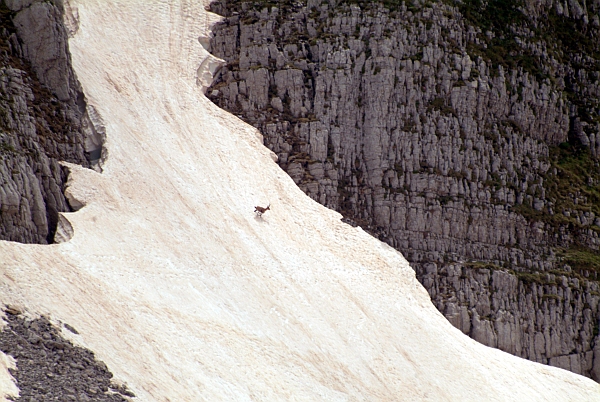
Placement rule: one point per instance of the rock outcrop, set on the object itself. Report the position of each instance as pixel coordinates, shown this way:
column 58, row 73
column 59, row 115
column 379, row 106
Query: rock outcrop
column 465, row 136
column 49, row 367
column 44, row 120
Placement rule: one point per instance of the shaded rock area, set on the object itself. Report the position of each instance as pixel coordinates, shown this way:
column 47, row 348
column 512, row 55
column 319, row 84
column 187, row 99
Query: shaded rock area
column 43, row 120
column 51, row 368
column 464, row 134
column 550, row 318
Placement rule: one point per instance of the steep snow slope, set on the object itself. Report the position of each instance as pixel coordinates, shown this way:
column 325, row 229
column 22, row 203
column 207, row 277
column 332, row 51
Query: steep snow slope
column 186, row 295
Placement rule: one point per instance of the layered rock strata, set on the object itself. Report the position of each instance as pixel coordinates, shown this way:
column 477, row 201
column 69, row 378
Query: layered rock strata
column 44, row 120
column 466, row 136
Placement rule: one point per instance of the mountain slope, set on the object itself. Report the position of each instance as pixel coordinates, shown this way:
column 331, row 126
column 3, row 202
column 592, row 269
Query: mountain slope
column 462, row 133
column 186, row 295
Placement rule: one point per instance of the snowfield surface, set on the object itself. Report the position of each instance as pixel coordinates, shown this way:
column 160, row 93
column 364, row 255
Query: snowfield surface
column 187, row 296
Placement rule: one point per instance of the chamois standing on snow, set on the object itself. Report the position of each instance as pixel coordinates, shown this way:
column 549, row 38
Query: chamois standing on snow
column 260, row 210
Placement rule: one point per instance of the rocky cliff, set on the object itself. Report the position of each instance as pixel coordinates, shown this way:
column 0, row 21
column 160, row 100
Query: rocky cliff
column 465, row 134
column 43, row 120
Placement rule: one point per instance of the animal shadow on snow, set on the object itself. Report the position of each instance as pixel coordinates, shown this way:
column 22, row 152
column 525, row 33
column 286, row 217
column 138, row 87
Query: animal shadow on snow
column 260, row 218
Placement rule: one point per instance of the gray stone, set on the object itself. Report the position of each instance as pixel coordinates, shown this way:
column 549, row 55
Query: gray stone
column 44, row 121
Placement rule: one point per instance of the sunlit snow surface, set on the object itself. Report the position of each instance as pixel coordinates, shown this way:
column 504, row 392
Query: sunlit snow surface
column 174, row 283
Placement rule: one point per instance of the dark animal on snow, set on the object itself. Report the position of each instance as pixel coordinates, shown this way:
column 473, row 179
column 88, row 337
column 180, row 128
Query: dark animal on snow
column 260, row 210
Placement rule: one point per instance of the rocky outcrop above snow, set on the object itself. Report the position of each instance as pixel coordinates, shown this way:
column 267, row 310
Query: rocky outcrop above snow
column 438, row 131
column 44, row 121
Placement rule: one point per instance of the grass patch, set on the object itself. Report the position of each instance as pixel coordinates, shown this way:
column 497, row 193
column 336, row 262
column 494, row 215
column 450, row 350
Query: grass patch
column 483, row 265
column 572, row 184
column 556, row 298
column 440, row 104
column 530, row 277
column 578, row 174
column 567, row 39
column 7, row 148
column 582, row 260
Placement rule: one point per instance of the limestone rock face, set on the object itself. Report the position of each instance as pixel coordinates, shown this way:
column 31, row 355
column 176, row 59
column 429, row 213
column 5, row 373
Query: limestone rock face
column 547, row 318
column 44, row 121
column 44, row 44
column 441, row 137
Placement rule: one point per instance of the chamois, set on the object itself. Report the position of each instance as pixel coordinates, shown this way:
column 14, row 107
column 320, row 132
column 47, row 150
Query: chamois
column 260, row 210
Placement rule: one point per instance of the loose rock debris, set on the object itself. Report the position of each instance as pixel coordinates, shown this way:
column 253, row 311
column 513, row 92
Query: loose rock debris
column 51, row 368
